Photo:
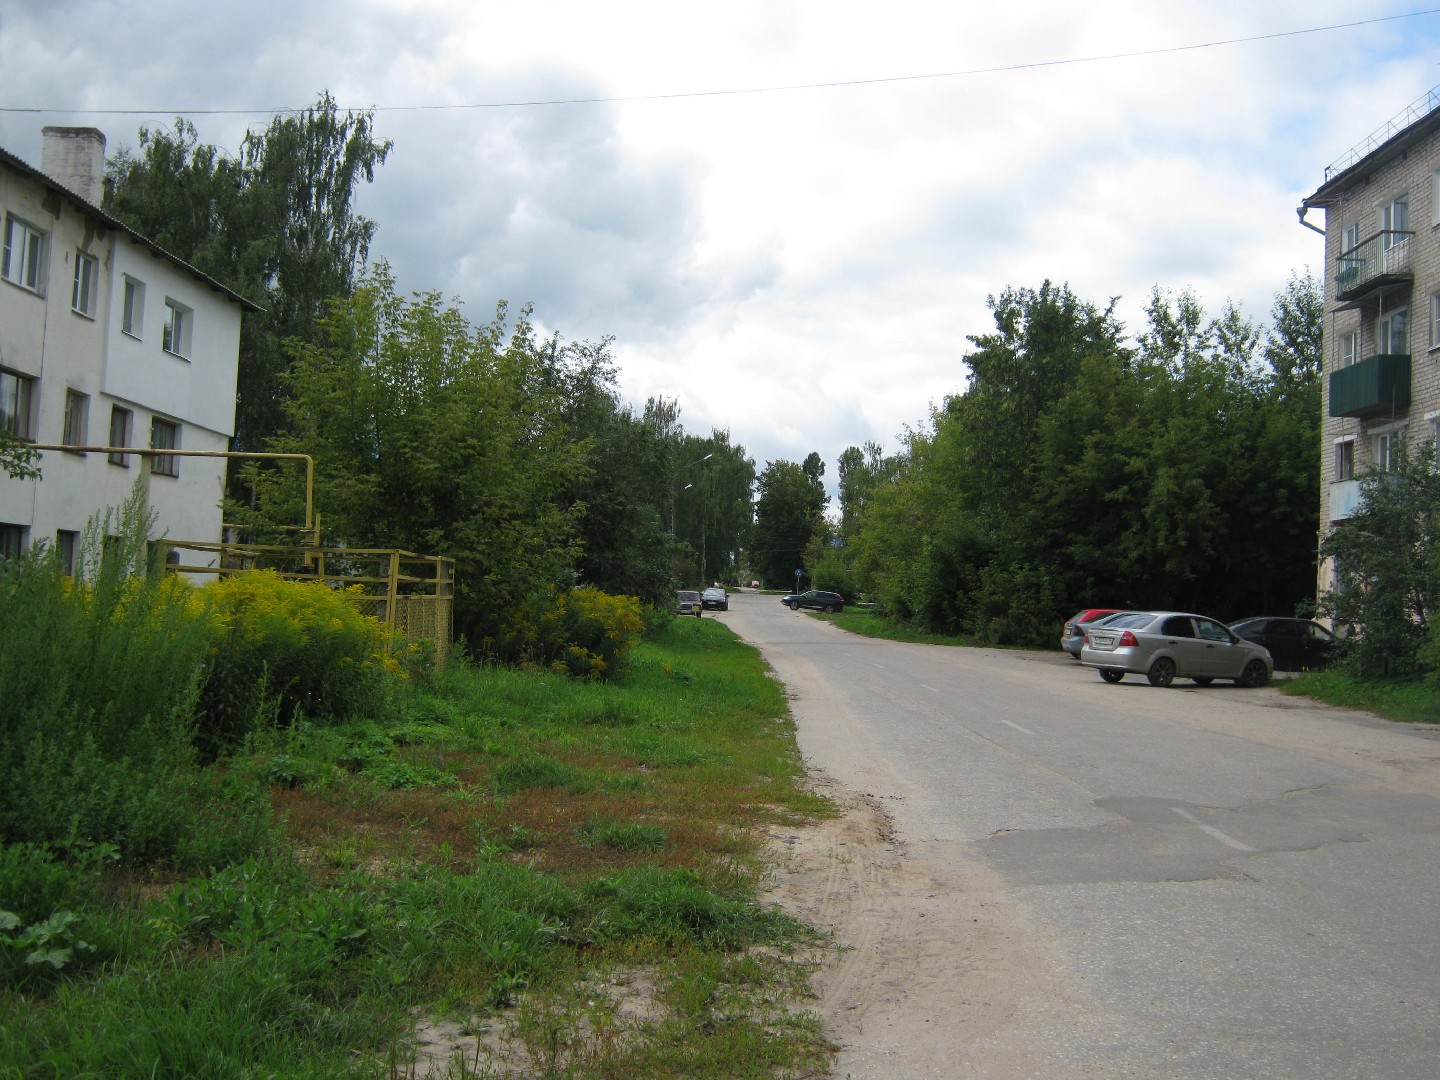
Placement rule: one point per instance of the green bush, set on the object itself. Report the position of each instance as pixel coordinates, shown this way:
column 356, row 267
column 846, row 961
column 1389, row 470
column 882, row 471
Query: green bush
column 581, row 632
column 283, row 649
column 99, row 676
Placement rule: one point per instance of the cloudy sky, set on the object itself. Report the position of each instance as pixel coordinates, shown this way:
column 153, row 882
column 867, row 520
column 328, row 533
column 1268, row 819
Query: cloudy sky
column 788, row 214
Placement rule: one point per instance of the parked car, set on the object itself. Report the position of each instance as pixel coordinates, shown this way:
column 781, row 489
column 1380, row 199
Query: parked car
column 1166, row 645
column 716, row 598
column 1295, row 644
column 1072, row 635
column 817, row 599
column 688, row 602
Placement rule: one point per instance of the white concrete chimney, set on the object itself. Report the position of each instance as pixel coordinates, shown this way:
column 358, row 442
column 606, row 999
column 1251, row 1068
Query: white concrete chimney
column 75, row 156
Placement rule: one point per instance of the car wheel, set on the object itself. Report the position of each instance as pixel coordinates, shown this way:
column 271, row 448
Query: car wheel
column 1162, row 672
column 794, row 605
column 1201, row 680
column 1254, row 675
column 1111, row 676
column 829, row 609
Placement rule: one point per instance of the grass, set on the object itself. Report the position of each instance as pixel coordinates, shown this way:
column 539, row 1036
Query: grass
column 1406, row 700
column 871, row 624
column 502, row 853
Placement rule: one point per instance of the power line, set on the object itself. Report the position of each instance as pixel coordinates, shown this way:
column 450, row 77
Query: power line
column 737, row 92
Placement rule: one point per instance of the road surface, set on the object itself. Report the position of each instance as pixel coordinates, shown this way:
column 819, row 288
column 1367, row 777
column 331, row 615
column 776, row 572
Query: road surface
column 1043, row 875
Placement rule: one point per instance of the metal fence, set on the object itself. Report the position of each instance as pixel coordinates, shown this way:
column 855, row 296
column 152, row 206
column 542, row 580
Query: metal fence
column 413, row 595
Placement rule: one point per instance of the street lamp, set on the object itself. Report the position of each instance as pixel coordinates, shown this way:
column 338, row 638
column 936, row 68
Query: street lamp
column 675, row 492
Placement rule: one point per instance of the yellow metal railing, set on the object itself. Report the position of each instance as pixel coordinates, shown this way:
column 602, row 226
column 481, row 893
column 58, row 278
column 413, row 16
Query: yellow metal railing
column 413, row 595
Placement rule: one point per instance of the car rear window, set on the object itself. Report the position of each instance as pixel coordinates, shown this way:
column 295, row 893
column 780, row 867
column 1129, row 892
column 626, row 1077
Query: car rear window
column 1136, row 621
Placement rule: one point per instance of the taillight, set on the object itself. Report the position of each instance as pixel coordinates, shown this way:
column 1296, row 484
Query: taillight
column 1126, row 639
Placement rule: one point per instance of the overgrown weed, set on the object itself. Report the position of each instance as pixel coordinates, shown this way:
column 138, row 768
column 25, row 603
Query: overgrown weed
column 547, row 834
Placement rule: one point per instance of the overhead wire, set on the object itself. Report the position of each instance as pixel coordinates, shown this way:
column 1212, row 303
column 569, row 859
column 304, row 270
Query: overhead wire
column 742, row 91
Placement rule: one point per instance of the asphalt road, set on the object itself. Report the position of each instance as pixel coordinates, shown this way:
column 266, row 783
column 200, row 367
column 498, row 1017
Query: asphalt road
column 1223, row 882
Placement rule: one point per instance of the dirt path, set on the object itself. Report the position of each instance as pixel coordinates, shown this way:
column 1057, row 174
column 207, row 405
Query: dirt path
column 932, row 975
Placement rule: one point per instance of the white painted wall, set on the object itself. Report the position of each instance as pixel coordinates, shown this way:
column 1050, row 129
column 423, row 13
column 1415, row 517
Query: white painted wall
column 41, row 336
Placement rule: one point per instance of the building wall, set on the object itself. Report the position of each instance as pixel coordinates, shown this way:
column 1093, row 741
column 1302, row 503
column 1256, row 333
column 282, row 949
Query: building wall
column 41, row 336
column 1415, row 172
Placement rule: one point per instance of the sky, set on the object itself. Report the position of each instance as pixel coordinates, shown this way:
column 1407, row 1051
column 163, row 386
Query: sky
column 789, row 215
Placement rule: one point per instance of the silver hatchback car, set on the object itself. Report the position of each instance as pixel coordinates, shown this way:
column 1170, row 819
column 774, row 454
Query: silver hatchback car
column 1166, row 645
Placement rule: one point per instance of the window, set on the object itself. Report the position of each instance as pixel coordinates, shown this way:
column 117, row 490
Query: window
column 66, row 543
column 1386, row 447
column 1350, row 238
column 17, row 394
column 1391, row 334
column 132, row 318
column 77, row 418
column 1178, row 626
column 175, row 335
column 120, row 421
column 12, row 542
column 1345, row 460
column 82, row 295
column 1395, row 219
column 24, row 262
column 164, row 435
column 1349, row 348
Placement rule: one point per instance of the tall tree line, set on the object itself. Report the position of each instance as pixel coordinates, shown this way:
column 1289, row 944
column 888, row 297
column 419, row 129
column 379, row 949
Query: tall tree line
column 1077, row 468
column 510, row 452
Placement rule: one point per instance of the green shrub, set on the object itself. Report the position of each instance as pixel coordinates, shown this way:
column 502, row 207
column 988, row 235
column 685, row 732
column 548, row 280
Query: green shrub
column 99, row 675
column 581, row 632
column 283, row 649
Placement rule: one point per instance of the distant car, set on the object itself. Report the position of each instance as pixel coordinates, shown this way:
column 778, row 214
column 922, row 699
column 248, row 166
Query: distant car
column 716, row 598
column 1072, row 634
column 818, row 599
column 1295, row 644
column 754, row 584
column 1166, row 645
column 688, row 602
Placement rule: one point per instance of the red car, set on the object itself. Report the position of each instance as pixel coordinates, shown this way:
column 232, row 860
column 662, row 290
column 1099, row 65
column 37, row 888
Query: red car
column 1072, row 637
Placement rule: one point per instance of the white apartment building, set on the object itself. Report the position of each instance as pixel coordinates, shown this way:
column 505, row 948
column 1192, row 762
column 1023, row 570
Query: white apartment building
column 106, row 340
column 1382, row 303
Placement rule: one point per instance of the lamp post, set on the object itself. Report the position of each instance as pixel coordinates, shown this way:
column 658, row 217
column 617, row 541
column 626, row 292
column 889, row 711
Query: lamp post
column 675, row 492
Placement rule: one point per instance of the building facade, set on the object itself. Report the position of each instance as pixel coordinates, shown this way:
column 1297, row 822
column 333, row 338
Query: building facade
column 1382, row 304
column 106, row 340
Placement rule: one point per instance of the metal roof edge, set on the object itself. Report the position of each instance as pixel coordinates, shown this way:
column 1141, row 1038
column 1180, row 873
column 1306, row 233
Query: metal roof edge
column 91, row 210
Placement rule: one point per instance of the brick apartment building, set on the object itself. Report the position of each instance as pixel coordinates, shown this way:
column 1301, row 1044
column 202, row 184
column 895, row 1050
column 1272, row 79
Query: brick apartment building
column 1382, row 303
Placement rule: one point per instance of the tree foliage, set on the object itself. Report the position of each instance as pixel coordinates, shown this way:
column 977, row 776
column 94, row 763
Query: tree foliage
column 1386, row 590
column 1076, row 468
column 277, row 224
column 789, row 511
column 436, row 436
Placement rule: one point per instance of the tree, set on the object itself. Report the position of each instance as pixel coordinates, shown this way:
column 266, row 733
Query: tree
column 1387, row 569
column 788, row 511
column 276, row 224
column 1074, row 469
column 433, row 435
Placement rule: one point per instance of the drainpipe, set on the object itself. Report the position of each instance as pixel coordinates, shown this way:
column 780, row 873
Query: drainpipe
column 1300, row 212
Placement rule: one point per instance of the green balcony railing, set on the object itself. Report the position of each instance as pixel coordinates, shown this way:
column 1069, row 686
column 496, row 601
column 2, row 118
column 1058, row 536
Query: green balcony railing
column 1376, row 386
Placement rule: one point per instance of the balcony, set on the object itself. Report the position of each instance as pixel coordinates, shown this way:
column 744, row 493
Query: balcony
column 1376, row 386
column 1373, row 266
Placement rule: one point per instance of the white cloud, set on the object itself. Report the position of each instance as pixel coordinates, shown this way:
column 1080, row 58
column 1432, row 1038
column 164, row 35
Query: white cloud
column 801, row 267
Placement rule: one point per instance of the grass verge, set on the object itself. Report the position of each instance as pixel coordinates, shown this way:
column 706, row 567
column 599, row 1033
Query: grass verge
column 1407, row 700
column 870, row 624
column 517, row 874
